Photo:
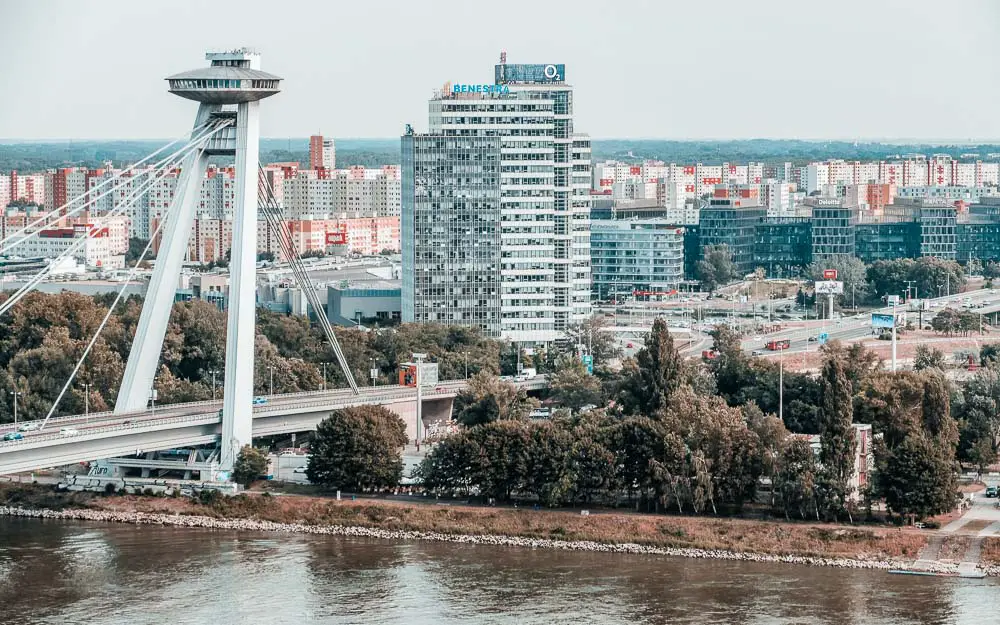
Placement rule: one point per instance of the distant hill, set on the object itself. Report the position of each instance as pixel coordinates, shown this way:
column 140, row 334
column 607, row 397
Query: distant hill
column 38, row 156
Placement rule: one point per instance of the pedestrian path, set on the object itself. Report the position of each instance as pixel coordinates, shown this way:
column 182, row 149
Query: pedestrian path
column 992, row 530
column 957, row 524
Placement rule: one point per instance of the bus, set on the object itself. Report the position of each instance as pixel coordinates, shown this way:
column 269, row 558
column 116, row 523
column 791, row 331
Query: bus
column 779, row 344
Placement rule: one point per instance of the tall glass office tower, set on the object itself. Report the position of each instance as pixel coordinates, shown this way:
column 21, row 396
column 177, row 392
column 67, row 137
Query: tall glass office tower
column 496, row 208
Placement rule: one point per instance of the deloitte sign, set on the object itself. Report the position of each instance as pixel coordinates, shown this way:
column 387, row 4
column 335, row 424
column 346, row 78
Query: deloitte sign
column 488, row 89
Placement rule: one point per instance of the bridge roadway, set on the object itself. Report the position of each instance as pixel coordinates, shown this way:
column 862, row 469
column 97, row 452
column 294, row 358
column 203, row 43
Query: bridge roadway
column 107, row 435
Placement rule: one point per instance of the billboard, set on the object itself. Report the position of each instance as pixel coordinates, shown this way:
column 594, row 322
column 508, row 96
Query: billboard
column 881, row 321
column 829, row 287
column 336, row 238
column 529, row 73
column 829, row 274
column 588, row 361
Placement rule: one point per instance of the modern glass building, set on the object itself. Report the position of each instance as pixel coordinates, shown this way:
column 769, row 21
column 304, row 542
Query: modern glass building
column 784, row 245
column 832, row 228
column 501, row 169
column 732, row 221
column 450, row 230
column 636, row 255
column 937, row 230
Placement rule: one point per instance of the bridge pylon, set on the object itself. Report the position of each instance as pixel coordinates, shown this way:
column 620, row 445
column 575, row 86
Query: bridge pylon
column 230, row 88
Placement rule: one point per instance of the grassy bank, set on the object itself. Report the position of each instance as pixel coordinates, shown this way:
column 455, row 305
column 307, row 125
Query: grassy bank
column 763, row 537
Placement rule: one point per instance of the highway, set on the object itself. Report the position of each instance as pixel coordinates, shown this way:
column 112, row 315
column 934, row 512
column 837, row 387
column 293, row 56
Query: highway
column 859, row 326
column 106, row 435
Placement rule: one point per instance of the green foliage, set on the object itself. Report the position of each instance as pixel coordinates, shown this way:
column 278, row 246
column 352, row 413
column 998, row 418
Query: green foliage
column 918, row 477
column 928, row 275
column 950, row 321
column 488, row 398
column 250, row 464
column 850, row 271
column 571, row 386
column 716, row 267
column 358, row 448
column 837, row 440
column 135, row 249
column 928, row 358
column 655, row 375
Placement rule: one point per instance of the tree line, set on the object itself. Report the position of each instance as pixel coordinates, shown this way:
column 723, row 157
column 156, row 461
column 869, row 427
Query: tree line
column 673, row 434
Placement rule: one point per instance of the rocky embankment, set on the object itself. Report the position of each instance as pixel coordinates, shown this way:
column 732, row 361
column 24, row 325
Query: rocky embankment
column 253, row 525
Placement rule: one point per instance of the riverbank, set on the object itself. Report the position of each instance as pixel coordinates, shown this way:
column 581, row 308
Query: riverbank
column 696, row 537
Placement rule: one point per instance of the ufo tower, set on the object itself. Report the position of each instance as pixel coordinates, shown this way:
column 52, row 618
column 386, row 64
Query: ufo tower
column 229, row 91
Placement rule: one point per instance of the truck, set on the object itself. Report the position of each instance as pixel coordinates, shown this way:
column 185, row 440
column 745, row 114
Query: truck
column 778, row 344
column 709, row 354
column 527, row 373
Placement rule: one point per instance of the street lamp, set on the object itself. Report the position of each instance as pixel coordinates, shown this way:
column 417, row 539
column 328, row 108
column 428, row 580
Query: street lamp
column 270, row 388
column 213, row 372
column 418, row 360
column 86, row 401
column 15, row 394
column 466, row 365
column 324, row 375
column 372, row 371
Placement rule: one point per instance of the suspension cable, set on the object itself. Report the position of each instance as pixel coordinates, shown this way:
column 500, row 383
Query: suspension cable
column 29, row 230
column 107, row 316
column 133, row 194
column 277, row 225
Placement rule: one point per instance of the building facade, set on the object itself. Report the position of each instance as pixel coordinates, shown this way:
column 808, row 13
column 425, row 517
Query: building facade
column 509, row 149
column 636, row 255
column 732, row 219
column 322, row 153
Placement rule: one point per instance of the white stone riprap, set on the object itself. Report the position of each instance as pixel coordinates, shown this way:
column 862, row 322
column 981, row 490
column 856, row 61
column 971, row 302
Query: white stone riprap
column 254, row 525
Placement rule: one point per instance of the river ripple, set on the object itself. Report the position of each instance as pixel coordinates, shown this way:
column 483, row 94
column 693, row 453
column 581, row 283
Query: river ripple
column 57, row 572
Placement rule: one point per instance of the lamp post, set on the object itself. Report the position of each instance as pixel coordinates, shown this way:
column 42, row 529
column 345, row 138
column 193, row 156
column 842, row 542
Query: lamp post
column 418, row 361
column 270, row 388
column 213, row 372
column 86, row 401
column 324, row 375
column 466, row 365
column 781, row 384
column 15, row 394
column 371, row 371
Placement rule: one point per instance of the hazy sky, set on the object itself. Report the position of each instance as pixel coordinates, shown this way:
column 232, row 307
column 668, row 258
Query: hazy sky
column 658, row 69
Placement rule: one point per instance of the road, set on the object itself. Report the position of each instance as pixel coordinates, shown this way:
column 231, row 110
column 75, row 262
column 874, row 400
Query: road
column 859, row 326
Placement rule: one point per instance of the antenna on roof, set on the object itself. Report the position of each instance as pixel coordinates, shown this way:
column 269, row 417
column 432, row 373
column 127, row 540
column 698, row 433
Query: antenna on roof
column 503, row 57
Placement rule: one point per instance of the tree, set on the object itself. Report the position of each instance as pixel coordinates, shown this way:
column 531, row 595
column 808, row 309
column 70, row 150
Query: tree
column 851, row 271
column 917, row 478
column 716, row 267
column 795, row 478
column 572, row 386
column 837, row 444
column 656, row 374
column 135, row 249
column 265, row 256
column 979, row 416
column 358, row 448
column 488, row 398
column 928, row 358
column 601, row 345
column 250, row 464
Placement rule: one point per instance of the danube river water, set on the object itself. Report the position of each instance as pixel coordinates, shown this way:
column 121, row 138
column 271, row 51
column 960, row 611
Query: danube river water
column 65, row 573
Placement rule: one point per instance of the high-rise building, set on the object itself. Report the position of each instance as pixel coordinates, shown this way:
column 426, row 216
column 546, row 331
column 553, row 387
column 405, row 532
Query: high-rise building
column 322, row 153
column 496, row 223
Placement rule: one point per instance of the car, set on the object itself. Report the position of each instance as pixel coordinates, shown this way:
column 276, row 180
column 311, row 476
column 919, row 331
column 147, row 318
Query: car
column 439, row 388
column 629, row 346
column 27, row 427
column 301, row 469
column 758, row 338
column 68, row 432
column 992, row 491
column 127, row 422
column 259, row 401
column 813, row 339
column 13, row 436
column 757, row 352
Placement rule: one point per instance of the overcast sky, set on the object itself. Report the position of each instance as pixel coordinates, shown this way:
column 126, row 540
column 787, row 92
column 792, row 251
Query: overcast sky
column 658, row 69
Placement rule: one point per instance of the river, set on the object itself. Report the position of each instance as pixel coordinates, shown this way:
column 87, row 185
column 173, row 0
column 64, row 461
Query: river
column 65, row 573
